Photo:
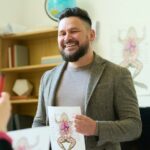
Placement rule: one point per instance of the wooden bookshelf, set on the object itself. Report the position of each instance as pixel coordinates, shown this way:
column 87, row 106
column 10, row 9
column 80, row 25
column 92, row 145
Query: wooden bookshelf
column 40, row 44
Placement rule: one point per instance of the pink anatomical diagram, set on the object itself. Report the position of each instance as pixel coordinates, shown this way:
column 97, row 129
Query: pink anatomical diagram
column 65, row 132
column 23, row 144
column 130, row 53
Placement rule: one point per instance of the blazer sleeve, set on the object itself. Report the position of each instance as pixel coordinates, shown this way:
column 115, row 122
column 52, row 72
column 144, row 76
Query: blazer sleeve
column 40, row 117
column 128, row 126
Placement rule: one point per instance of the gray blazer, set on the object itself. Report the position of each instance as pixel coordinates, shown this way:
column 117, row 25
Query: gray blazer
column 111, row 101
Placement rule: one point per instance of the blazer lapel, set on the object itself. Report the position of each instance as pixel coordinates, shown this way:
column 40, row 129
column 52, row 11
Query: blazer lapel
column 55, row 79
column 98, row 67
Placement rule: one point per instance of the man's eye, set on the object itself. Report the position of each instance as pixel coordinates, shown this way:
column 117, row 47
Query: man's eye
column 62, row 34
column 74, row 31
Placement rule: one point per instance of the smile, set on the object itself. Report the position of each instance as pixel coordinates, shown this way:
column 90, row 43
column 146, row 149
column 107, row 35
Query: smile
column 68, row 45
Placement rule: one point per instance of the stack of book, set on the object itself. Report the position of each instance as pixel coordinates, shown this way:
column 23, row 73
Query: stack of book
column 56, row 59
column 18, row 55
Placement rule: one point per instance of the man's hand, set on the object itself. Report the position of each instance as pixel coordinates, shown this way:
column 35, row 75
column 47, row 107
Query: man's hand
column 85, row 125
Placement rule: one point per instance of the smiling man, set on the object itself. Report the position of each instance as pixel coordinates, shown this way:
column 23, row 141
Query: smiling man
column 74, row 37
column 103, row 90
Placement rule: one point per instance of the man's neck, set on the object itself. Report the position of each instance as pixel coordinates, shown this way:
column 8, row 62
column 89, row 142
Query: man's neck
column 83, row 61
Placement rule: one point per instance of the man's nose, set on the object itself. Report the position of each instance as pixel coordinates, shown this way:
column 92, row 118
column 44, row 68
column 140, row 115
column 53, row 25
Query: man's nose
column 68, row 36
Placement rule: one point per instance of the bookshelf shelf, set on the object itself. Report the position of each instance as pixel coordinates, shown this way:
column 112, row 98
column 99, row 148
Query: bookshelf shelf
column 40, row 44
column 24, row 101
column 30, row 68
column 31, row 35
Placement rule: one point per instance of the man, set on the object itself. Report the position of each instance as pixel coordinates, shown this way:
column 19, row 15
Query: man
column 103, row 90
column 5, row 111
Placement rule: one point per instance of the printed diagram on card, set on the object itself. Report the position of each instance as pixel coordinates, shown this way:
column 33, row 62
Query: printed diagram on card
column 62, row 133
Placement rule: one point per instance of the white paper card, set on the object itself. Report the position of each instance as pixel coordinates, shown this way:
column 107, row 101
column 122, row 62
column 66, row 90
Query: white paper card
column 31, row 139
column 63, row 135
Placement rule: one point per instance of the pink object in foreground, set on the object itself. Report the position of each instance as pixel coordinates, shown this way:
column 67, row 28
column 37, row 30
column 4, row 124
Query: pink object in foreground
column 1, row 83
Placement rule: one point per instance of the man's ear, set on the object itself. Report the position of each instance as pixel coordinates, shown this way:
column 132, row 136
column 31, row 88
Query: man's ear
column 92, row 35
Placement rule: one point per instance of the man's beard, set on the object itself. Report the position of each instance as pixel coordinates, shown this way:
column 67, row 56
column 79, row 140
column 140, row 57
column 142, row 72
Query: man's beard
column 76, row 55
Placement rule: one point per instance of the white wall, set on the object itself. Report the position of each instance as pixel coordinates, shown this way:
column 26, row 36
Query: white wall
column 34, row 14
column 10, row 11
column 113, row 16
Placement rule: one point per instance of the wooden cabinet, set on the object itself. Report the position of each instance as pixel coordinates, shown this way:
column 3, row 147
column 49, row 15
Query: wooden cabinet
column 40, row 44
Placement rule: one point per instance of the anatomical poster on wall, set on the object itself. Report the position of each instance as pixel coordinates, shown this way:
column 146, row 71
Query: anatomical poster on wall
column 63, row 135
column 130, row 49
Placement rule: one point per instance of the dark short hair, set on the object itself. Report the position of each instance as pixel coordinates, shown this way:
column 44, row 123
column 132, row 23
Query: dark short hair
column 76, row 12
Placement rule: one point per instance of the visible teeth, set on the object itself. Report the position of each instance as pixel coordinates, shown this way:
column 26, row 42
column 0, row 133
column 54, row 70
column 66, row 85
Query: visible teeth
column 70, row 44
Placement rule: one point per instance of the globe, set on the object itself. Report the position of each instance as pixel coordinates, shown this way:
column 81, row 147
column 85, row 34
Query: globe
column 54, row 8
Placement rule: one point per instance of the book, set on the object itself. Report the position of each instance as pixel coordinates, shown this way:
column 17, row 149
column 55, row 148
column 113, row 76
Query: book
column 51, row 59
column 10, row 56
column 18, row 55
